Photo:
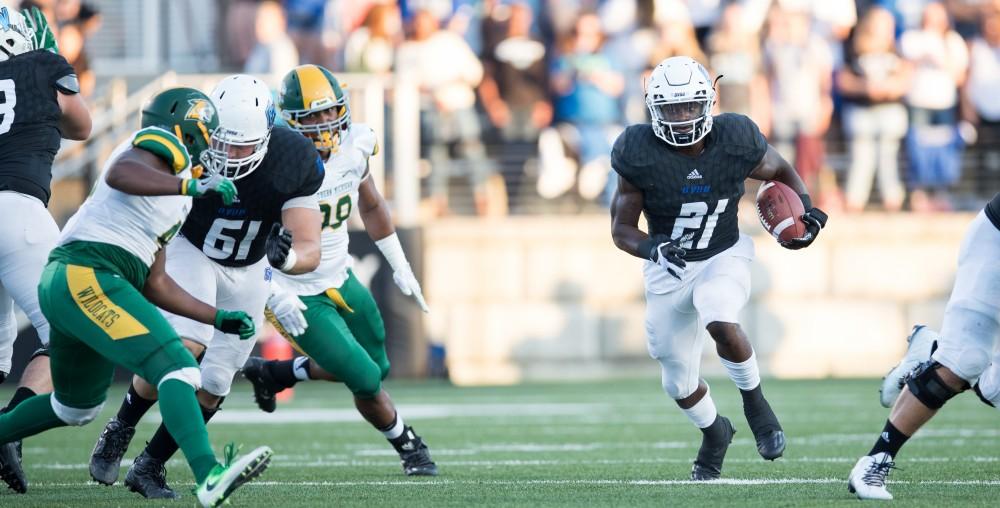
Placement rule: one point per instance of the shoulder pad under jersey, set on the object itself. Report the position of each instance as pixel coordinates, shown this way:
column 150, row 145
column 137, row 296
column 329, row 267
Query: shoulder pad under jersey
column 165, row 145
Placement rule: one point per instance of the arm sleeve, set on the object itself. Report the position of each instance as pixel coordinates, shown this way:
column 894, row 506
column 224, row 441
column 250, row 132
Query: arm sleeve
column 757, row 144
column 619, row 159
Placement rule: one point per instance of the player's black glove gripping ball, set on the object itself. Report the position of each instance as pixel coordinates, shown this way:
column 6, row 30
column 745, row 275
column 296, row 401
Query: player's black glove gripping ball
column 279, row 242
column 815, row 220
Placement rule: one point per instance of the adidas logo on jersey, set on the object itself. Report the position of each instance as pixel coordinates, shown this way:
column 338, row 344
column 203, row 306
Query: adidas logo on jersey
column 694, row 175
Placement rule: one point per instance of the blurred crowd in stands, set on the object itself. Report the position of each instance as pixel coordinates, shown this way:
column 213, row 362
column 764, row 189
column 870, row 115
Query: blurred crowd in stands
column 880, row 104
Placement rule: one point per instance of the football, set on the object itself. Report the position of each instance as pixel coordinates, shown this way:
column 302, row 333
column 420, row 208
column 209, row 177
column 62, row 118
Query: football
column 780, row 211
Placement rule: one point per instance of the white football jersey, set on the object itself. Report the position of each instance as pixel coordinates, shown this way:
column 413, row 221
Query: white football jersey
column 141, row 225
column 338, row 196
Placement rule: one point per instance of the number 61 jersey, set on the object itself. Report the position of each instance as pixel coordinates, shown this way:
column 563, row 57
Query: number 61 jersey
column 234, row 235
column 692, row 199
column 338, row 197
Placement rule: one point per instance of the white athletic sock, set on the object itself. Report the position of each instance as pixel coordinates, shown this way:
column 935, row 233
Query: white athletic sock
column 744, row 374
column 396, row 430
column 989, row 384
column 703, row 413
column 299, row 368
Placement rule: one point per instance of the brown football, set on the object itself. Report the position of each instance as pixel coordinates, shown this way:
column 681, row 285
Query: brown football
column 780, row 211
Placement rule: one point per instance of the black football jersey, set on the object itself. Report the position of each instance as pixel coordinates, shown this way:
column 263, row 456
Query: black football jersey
column 29, row 121
column 235, row 235
column 993, row 210
column 692, row 199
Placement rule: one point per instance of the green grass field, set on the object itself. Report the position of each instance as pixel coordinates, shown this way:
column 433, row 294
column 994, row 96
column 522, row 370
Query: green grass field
column 618, row 443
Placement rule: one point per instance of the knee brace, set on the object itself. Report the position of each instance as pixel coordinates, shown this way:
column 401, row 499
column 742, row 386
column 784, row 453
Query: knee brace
column 927, row 386
column 42, row 351
column 74, row 416
column 187, row 375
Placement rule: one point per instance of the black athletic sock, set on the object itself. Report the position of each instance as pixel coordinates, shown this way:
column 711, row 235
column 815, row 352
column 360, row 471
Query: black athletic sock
column 162, row 446
column 283, row 372
column 758, row 412
column 890, row 441
column 23, row 393
column 133, row 407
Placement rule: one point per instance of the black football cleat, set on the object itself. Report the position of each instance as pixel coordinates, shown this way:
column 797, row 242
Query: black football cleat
column 10, row 467
column 148, row 478
column 714, row 443
column 106, row 459
column 414, row 454
column 764, row 424
column 265, row 388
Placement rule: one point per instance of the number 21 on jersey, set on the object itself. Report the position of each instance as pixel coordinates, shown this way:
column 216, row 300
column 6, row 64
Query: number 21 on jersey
column 692, row 218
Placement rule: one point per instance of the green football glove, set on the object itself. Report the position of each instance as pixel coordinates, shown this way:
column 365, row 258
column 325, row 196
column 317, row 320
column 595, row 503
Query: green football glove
column 235, row 322
column 199, row 187
column 44, row 39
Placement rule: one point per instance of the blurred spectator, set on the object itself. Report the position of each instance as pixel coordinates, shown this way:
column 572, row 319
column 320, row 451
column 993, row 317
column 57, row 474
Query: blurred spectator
column 705, row 15
column 800, row 68
column 275, row 52
column 967, row 15
column 872, row 83
column 587, row 85
column 981, row 106
column 630, row 47
column 933, row 145
column 735, row 53
column 447, row 72
column 515, row 90
column 240, row 41
column 372, row 47
column 306, row 28
column 77, row 22
column 677, row 35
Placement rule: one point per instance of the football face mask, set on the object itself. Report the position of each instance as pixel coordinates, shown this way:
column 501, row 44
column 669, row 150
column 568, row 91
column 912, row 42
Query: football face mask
column 683, row 123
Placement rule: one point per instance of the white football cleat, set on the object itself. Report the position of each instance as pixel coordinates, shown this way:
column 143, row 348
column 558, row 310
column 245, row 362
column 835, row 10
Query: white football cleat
column 227, row 477
column 920, row 345
column 868, row 477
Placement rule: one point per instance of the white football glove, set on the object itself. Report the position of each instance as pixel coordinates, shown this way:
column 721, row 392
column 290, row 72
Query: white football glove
column 408, row 284
column 287, row 308
column 402, row 274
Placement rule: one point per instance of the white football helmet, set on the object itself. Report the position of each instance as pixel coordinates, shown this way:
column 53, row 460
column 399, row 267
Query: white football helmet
column 246, row 116
column 15, row 35
column 680, row 96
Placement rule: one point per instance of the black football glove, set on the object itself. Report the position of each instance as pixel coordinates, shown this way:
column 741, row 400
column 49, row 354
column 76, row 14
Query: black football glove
column 663, row 251
column 279, row 243
column 815, row 220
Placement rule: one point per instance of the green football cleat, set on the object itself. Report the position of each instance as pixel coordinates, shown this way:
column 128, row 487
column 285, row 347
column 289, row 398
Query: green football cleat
column 226, row 478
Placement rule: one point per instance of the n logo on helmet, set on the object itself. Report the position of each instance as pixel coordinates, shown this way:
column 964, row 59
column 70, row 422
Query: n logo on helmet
column 201, row 110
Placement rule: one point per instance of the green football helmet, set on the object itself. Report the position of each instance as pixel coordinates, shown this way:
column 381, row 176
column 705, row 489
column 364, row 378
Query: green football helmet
column 189, row 114
column 309, row 90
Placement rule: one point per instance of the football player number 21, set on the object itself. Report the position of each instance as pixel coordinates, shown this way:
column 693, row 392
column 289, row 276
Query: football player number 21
column 220, row 243
column 693, row 218
column 7, row 105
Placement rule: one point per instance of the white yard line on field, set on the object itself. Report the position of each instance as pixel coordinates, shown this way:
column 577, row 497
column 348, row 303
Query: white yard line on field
column 444, row 482
column 306, row 462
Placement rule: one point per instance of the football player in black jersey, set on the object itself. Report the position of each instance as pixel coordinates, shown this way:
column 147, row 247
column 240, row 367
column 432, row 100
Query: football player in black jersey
column 225, row 255
column 40, row 105
column 939, row 366
column 685, row 171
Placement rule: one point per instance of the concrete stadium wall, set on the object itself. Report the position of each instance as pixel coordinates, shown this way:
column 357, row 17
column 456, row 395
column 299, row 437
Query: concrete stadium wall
column 535, row 298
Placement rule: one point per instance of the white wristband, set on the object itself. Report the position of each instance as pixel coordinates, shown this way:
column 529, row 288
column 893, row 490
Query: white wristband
column 393, row 252
column 289, row 261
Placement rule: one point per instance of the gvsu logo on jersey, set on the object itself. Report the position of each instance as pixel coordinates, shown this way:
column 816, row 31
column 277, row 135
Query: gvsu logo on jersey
column 268, row 273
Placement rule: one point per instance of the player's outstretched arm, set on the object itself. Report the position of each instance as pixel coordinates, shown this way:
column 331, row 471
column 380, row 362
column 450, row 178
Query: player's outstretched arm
column 163, row 291
column 774, row 167
column 299, row 241
column 378, row 222
column 140, row 173
column 75, row 122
